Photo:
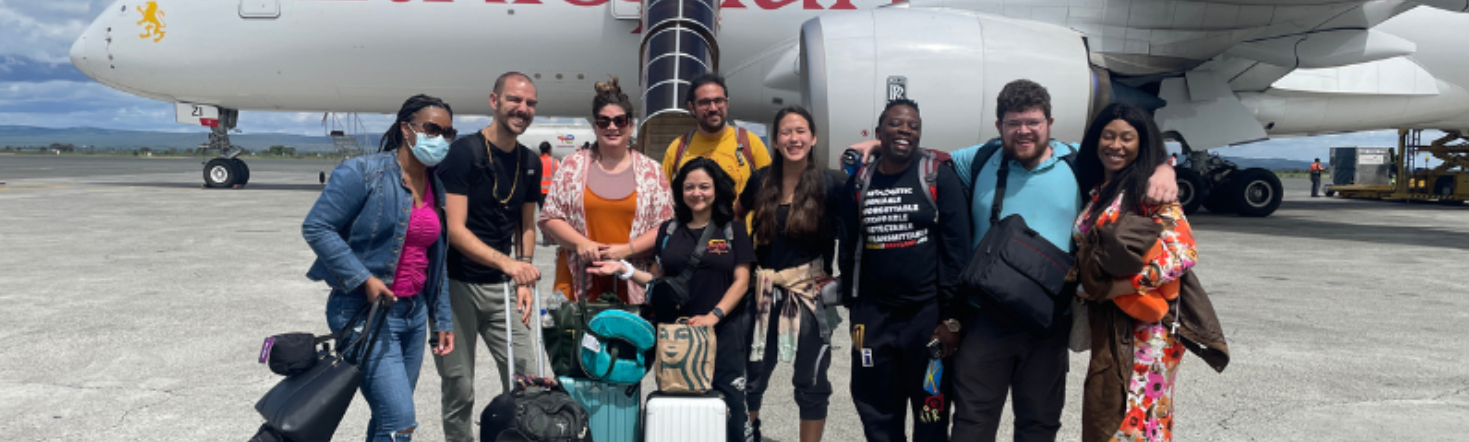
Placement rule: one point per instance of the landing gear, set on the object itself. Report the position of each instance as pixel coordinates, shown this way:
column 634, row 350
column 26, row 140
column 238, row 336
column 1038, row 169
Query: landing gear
column 225, row 171
column 1219, row 185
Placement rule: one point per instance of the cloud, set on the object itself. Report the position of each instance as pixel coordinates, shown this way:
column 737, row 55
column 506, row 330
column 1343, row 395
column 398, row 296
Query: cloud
column 44, row 30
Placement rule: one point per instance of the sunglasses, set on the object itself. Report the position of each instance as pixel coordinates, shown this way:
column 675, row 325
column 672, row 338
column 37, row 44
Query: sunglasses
column 433, row 130
column 620, row 121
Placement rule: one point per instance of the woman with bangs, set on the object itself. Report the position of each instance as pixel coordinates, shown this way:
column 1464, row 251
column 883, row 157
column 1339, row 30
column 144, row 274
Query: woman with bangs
column 716, row 286
column 793, row 203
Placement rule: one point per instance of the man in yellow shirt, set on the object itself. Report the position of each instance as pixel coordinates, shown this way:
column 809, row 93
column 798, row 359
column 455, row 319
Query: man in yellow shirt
column 737, row 151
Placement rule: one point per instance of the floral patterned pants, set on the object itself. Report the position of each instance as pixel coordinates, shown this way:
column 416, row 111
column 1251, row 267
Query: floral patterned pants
column 1156, row 354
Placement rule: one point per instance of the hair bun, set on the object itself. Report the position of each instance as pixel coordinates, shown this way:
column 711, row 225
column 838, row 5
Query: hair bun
column 611, row 88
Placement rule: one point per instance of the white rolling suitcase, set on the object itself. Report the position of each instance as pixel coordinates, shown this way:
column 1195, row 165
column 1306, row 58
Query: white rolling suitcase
column 681, row 418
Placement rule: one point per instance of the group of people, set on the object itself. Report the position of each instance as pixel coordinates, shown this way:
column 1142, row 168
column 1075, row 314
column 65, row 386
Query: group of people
column 437, row 227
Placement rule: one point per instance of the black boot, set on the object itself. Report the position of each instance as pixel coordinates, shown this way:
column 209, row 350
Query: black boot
column 757, row 437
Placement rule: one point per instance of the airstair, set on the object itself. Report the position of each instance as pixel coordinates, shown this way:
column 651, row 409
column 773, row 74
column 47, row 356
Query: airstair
column 678, row 44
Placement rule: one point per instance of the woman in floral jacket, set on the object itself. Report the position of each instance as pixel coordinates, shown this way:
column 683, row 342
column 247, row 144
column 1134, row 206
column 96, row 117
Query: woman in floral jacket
column 1130, row 291
column 605, row 204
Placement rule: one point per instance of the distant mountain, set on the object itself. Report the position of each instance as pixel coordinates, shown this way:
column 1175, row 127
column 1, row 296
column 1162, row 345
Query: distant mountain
column 1269, row 163
column 111, row 139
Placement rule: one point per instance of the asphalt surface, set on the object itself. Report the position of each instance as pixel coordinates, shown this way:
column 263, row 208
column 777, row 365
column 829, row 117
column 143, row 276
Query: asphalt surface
column 136, row 302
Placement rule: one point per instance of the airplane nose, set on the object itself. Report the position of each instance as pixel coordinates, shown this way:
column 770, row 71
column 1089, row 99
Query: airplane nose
column 81, row 56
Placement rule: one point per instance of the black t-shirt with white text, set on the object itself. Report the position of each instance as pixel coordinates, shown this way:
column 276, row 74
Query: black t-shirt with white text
column 716, row 267
column 487, row 179
column 910, row 256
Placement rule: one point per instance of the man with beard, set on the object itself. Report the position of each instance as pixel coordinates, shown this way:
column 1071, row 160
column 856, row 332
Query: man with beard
column 905, row 240
column 997, row 356
column 493, row 185
column 737, row 152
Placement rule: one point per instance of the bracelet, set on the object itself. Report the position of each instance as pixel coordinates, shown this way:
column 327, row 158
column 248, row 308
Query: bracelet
column 627, row 272
column 526, row 259
column 718, row 313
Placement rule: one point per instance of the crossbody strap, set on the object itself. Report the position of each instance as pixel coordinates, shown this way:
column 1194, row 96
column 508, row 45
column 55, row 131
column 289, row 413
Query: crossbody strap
column 688, row 272
column 1002, row 176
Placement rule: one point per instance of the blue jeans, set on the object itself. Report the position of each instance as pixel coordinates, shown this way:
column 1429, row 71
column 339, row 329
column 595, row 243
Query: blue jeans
column 391, row 371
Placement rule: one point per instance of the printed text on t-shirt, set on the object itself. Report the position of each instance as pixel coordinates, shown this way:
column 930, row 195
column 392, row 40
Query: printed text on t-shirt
column 886, row 219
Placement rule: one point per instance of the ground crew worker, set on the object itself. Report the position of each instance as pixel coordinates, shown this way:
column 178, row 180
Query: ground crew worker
column 1316, row 177
column 734, row 149
column 548, row 170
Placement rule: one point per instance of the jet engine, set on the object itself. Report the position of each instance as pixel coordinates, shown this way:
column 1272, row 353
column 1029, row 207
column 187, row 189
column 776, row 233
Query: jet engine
column 952, row 63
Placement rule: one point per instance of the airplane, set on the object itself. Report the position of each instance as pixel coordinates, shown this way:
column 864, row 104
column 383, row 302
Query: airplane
column 1214, row 72
column 564, row 138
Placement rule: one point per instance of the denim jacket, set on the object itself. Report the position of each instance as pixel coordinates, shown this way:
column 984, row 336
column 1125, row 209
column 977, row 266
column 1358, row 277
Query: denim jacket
column 357, row 227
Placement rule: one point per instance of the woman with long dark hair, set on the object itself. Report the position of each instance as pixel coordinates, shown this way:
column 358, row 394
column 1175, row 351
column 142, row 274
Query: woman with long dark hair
column 793, row 201
column 622, row 190
column 716, row 286
column 378, row 233
column 1129, row 292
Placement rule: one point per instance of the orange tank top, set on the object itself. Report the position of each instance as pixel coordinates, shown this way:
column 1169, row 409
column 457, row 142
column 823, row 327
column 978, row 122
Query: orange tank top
column 613, row 226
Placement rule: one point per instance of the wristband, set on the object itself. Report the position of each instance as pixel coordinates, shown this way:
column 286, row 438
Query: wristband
column 525, row 259
column 627, row 272
column 718, row 313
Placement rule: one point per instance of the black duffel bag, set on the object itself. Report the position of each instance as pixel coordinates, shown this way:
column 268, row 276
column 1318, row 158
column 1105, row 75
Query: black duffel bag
column 1015, row 270
column 308, row 406
column 538, row 410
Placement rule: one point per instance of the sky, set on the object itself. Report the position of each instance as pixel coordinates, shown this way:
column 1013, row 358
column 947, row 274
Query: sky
column 39, row 87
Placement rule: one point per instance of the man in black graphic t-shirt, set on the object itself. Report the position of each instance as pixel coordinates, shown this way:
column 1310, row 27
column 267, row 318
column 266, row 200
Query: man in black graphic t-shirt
column 913, row 249
column 492, row 184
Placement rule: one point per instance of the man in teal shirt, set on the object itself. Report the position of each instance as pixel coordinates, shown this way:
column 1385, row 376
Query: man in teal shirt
column 996, row 356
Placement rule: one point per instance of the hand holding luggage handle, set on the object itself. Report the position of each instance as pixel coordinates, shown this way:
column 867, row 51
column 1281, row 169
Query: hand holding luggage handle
column 510, row 335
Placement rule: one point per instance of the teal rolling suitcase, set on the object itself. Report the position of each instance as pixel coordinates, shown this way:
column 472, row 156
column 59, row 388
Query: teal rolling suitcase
column 614, row 409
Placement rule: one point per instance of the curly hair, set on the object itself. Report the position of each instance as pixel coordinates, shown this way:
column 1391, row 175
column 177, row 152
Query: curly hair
column 895, row 103
column 724, row 193
column 1020, row 96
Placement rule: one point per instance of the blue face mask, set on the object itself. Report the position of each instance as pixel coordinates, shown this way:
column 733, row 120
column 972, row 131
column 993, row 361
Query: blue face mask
column 430, row 151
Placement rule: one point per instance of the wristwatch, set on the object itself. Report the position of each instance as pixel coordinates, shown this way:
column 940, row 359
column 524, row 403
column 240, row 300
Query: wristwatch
column 718, row 313
column 952, row 324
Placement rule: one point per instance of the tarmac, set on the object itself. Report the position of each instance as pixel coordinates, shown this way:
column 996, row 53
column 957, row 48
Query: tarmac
column 137, row 303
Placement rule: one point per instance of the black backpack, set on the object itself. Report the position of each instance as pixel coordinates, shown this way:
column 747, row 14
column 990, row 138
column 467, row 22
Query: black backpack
column 535, row 413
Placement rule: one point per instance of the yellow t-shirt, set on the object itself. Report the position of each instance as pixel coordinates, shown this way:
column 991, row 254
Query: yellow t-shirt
column 722, row 151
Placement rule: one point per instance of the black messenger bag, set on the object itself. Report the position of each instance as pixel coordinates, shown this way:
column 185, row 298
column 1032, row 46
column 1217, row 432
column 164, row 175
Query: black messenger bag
column 1016, row 272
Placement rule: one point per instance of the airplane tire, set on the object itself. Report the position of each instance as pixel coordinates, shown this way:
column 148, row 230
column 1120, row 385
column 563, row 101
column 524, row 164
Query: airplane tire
column 1256, row 193
column 241, row 169
column 1190, row 190
column 220, row 172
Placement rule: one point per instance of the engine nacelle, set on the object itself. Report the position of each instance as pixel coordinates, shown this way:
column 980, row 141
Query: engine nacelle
column 953, row 63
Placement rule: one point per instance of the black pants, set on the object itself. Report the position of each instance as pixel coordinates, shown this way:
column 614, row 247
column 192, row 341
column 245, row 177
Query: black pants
column 885, row 387
column 1315, row 183
column 730, row 356
column 994, row 361
column 813, row 359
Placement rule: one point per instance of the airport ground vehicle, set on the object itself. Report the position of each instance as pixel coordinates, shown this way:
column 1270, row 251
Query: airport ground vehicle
column 1446, row 183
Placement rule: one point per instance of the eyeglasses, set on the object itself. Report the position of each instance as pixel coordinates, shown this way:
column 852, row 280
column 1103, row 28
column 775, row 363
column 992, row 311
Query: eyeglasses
column 620, row 121
column 706, row 102
column 433, row 130
column 1011, row 125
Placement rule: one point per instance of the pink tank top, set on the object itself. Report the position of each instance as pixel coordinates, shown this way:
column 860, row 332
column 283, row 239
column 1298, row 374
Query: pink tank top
column 423, row 230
